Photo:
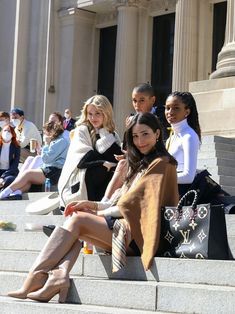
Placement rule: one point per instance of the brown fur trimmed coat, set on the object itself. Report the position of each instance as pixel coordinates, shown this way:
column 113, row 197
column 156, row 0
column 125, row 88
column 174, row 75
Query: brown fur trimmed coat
column 141, row 206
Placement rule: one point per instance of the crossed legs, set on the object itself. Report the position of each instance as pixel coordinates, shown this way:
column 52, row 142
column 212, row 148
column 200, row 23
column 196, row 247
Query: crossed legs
column 24, row 181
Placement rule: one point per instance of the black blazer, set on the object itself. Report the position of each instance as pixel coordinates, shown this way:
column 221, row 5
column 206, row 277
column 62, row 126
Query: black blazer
column 70, row 125
column 14, row 159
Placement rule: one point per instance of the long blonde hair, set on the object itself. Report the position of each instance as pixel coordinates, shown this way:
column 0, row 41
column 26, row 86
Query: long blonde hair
column 101, row 103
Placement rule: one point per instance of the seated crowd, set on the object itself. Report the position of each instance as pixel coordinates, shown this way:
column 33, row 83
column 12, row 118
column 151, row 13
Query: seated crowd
column 103, row 188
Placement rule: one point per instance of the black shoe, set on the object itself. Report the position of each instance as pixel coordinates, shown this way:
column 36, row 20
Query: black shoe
column 16, row 197
column 48, row 229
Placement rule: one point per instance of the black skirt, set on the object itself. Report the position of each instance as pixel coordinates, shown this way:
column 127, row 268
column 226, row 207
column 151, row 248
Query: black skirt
column 52, row 173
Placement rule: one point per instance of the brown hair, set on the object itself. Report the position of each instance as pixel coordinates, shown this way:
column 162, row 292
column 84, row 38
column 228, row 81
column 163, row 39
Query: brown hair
column 4, row 114
column 54, row 128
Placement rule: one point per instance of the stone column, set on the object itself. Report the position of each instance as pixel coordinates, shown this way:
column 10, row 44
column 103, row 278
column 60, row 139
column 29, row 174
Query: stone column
column 226, row 59
column 185, row 45
column 144, row 46
column 28, row 79
column 21, row 39
column 126, row 60
column 76, row 54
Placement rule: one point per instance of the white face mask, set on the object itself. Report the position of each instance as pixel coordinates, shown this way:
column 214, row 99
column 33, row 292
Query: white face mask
column 67, row 116
column 6, row 136
column 3, row 123
column 15, row 122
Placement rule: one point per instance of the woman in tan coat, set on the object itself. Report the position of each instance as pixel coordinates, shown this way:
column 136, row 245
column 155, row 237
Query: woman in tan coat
column 135, row 209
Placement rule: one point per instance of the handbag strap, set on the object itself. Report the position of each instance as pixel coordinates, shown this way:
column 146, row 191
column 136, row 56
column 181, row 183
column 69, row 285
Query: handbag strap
column 184, row 197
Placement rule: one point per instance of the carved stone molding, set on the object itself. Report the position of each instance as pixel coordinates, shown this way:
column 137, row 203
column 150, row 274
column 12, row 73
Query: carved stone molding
column 68, row 15
column 127, row 3
column 163, row 5
column 68, row 3
column 109, row 18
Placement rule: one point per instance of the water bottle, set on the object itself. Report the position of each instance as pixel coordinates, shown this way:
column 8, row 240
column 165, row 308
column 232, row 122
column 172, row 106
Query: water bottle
column 47, row 185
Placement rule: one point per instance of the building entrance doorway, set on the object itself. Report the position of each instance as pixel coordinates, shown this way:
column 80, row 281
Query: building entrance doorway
column 107, row 52
column 219, row 23
column 162, row 55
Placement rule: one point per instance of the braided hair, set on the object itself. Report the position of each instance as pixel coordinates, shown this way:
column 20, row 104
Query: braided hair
column 190, row 103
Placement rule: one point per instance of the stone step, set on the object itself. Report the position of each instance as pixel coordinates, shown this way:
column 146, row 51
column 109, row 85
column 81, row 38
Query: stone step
column 16, row 240
column 217, row 154
column 214, row 162
column 21, row 261
column 11, row 207
column 102, row 292
column 209, row 139
column 225, row 171
column 230, row 224
column 187, row 298
column 225, row 180
column 34, row 240
column 162, row 296
column 28, row 241
column 218, row 147
column 163, row 269
column 35, row 222
column 229, row 189
column 16, row 306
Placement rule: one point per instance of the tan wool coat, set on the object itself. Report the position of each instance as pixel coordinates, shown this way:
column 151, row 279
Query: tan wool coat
column 141, row 206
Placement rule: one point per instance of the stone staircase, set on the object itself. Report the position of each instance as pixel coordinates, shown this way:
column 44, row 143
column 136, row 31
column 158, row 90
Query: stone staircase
column 217, row 155
column 171, row 286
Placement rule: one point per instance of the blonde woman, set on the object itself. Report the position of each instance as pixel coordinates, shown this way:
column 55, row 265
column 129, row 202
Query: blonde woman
column 90, row 161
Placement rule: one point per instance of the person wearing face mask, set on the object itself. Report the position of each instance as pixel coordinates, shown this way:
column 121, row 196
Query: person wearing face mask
column 4, row 119
column 68, row 121
column 25, row 130
column 9, row 156
column 53, row 155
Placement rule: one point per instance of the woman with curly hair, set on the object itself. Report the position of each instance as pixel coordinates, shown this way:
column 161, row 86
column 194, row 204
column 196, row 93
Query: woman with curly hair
column 53, row 156
column 9, row 156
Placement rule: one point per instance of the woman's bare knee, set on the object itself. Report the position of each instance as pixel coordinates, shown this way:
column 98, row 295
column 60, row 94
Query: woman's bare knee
column 76, row 223
column 89, row 225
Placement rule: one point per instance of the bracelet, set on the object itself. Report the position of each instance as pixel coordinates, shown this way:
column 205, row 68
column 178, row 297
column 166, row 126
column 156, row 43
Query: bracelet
column 95, row 206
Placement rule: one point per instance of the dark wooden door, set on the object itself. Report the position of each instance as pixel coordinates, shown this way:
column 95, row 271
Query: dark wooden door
column 107, row 52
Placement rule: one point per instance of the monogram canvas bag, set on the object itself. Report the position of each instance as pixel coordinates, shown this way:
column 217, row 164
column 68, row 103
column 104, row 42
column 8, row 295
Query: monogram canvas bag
column 196, row 231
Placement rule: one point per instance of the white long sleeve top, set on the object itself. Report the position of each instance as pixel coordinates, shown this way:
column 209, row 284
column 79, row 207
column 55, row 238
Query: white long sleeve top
column 26, row 131
column 183, row 145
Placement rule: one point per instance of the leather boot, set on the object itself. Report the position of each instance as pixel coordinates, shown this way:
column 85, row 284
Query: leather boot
column 58, row 280
column 59, row 243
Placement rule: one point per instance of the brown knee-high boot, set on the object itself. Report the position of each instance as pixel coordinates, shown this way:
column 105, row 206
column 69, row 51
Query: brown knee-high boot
column 58, row 280
column 54, row 250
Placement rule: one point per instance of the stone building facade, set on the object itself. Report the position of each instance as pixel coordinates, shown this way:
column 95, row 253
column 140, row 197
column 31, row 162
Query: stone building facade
column 57, row 53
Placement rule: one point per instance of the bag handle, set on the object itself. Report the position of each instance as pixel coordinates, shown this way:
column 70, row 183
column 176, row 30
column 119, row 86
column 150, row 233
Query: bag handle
column 183, row 198
column 180, row 204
